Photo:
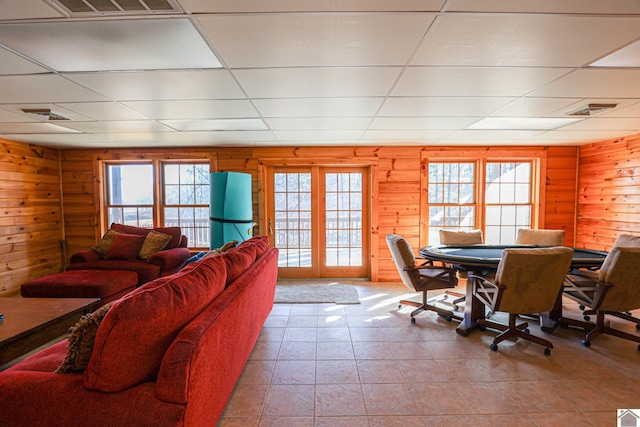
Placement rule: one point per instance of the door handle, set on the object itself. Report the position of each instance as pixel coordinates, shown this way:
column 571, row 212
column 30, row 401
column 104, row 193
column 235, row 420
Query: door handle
column 270, row 227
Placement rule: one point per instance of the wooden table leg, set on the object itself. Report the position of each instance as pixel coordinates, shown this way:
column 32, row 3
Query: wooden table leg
column 474, row 309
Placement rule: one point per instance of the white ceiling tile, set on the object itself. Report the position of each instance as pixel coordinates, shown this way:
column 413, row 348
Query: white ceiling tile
column 146, row 139
column 28, row 10
column 117, row 126
column 55, row 109
column 580, row 135
column 11, row 116
column 281, row 40
column 523, row 41
column 232, row 136
column 162, row 85
column 405, row 135
column 195, row 109
column 253, row 6
column 58, row 139
column 594, row 83
column 44, row 88
column 546, row 6
column 624, row 110
column 442, row 106
column 145, row 44
column 10, row 63
column 523, row 123
column 317, row 82
column 318, row 123
column 536, row 107
column 401, row 123
column 318, row 107
column 447, row 81
column 621, row 124
column 101, row 111
column 318, row 135
column 492, row 135
column 215, row 124
column 11, row 128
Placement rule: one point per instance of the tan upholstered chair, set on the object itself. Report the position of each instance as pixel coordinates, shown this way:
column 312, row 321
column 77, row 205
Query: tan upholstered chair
column 461, row 237
column 421, row 278
column 612, row 291
column 527, row 281
column 540, row 237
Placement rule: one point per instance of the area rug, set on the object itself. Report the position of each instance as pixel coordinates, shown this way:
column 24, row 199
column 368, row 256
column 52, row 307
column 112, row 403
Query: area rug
column 312, row 292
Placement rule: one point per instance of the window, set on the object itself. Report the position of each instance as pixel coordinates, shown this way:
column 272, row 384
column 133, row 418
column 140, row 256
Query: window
column 130, row 194
column 452, row 201
column 184, row 197
column 507, row 199
column 186, row 200
column 504, row 191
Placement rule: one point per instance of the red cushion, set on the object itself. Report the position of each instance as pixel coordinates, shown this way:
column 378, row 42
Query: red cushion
column 125, row 246
column 259, row 243
column 174, row 232
column 137, row 331
column 237, row 262
column 80, row 284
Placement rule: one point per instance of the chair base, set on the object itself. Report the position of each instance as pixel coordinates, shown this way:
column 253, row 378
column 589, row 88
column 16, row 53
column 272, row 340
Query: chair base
column 425, row 306
column 602, row 326
column 514, row 330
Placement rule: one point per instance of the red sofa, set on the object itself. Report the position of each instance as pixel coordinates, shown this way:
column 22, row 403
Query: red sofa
column 167, row 354
column 162, row 263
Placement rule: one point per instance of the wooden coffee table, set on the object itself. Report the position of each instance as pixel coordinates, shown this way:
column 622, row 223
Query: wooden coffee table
column 31, row 322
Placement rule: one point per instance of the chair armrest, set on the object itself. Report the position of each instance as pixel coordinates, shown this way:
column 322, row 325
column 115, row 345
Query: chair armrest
column 169, row 259
column 84, row 256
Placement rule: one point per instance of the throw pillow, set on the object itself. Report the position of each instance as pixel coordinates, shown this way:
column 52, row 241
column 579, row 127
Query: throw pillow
column 81, row 339
column 154, row 242
column 125, row 247
column 102, row 247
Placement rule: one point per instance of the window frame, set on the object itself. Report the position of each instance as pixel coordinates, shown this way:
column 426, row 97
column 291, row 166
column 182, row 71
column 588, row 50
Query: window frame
column 159, row 197
column 537, row 159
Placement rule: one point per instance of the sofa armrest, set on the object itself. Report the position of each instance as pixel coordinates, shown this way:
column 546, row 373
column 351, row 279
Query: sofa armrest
column 169, row 259
column 84, row 256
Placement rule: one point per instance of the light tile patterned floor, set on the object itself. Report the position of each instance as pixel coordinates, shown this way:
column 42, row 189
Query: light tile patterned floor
column 323, row 365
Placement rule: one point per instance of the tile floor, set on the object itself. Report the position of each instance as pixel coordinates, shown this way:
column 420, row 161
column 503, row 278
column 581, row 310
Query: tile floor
column 365, row 365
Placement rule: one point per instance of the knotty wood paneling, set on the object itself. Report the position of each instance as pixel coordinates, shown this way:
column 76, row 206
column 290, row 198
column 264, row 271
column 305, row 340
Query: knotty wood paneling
column 608, row 192
column 396, row 203
column 31, row 228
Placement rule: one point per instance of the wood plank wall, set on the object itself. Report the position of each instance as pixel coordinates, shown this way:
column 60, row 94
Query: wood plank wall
column 31, row 228
column 608, row 192
column 32, row 218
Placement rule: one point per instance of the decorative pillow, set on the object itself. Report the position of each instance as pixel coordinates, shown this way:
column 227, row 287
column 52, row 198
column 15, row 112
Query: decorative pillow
column 140, row 327
column 125, row 246
column 102, row 247
column 174, row 232
column 224, row 248
column 81, row 339
column 154, row 242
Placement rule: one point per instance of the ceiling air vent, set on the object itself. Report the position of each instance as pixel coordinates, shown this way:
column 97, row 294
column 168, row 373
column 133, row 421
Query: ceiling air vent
column 44, row 114
column 76, row 8
column 591, row 109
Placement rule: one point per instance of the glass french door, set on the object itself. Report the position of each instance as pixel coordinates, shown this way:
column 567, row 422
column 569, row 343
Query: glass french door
column 318, row 219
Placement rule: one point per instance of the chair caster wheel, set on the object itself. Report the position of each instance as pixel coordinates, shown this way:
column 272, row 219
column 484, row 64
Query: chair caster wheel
column 482, row 328
column 586, row 343
column 564, row 326
column 638, row 347
column 526, row 330
column 547, row 351
column 587, row 318
column 456, row 308
column 581, row 307
column 637, row 326
column 448, row 318
column 399, row 306
column 494, row 347
column 413, row 320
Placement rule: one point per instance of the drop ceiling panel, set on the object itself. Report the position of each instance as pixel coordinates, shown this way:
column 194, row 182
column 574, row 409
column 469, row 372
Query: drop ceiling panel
column 546, row 6
column 27, row 10
column 318, row 107
column 318, row 123
column 594, row 83
column 11, row 128
column 10, row 63
column 580, row 135
column 622, row 110
column 15, row 116
column 442, row 106
column 232, row 136
column 215, row 124
column 346, row 136
column 422, row 122
column 102, row 111
column 43, row 88
column 60, row 140
column 317, row 82
column 162, row 85
column 447, row 81
column 492, row 135
column 620, row 124
column 536, row 107
column 315, row 40
column 252, row 6
column 117, row 126
column 195, row 109
column 148, row 44
column 146, row 139
column 402, row 135
column 523, row 41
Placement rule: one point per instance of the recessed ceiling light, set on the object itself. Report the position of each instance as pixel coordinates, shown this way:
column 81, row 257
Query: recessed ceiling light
column 591, row 109
column 521, row 123
column 116, row 7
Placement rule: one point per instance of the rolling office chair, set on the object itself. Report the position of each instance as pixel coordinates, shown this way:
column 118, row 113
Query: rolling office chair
column 421, row 278
column 527, row 281
column 540, row 237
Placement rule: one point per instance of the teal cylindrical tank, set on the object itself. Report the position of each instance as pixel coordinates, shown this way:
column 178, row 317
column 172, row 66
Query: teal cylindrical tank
column 230, row 208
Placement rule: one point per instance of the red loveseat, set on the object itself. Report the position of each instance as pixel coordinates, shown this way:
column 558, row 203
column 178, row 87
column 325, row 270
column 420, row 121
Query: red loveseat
column 167, row 354
column 163, row 263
